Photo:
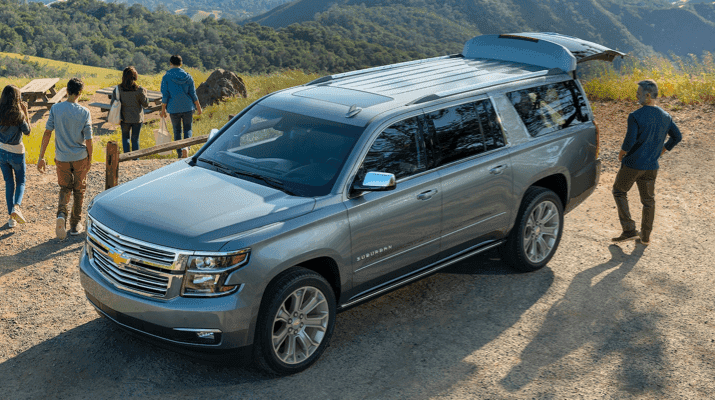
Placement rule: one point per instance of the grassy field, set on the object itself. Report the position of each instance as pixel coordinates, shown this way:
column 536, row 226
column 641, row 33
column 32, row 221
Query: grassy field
column 691, row 81
column 96, row 78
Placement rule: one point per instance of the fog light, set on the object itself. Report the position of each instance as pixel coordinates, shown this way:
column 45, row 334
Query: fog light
column 198, row 336
column 206, row 336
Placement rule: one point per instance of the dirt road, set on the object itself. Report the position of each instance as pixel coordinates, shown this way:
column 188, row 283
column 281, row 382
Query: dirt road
column 600, row 321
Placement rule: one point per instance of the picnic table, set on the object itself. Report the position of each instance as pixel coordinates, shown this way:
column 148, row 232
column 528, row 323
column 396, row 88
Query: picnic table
column 41, row 92
column 153, row 97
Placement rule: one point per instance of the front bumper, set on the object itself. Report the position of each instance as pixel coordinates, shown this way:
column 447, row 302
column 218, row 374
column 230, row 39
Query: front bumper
column 174, row 322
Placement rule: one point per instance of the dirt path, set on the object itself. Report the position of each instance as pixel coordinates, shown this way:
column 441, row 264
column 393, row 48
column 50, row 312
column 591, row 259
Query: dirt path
column 600, row 321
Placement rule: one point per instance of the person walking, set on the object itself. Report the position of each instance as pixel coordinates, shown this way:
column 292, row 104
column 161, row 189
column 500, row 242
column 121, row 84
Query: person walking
column 73, row 155
column 14, row 122
column 642, row 146
column 179, row 99
column 134, row 101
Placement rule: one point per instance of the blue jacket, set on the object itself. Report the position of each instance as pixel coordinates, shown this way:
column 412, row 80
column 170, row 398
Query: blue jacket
column 647, row 128
column 178, row 91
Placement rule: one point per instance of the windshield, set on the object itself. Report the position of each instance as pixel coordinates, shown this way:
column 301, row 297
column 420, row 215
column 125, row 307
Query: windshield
column 294, row 153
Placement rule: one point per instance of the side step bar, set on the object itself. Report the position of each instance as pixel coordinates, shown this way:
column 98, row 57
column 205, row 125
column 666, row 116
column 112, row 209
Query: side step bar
column 432, row 268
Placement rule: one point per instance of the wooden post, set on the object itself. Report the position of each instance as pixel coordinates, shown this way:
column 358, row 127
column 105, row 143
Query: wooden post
column 112, row 167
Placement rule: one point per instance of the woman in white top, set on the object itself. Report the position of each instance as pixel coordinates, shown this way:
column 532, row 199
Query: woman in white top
column 14, row 122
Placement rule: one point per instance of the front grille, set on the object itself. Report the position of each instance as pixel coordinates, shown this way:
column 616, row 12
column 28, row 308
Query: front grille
column 134, row 249
column 130, row 264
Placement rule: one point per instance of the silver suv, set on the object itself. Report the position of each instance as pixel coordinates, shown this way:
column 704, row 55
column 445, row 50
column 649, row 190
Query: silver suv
column 322, row 196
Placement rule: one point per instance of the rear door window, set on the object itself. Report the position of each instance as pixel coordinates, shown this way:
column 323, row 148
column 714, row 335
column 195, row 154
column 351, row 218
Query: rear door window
column 550, row 108
column 463, row 131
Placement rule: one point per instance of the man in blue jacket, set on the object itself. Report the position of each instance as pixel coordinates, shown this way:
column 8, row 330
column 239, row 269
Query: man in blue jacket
column 179, row 99
column 642, row 146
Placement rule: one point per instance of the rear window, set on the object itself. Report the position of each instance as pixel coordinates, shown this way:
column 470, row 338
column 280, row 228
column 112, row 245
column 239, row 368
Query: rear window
column 550, row 108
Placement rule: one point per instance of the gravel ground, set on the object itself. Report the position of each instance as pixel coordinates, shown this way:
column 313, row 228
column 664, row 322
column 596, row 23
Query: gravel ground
column 600, row 321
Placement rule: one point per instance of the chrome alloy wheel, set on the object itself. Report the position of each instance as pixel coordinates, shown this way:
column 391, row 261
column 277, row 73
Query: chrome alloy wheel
column 300, row 325
column 541, row 231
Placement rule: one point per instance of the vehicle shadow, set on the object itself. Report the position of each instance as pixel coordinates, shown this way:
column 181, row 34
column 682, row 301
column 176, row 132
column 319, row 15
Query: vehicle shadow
column 39, row 253
column 602, row 318
column 411, row 340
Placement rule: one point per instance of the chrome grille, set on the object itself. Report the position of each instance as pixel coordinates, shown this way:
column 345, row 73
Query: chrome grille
column 130, row 264
column 133, row 249
column 141, row 281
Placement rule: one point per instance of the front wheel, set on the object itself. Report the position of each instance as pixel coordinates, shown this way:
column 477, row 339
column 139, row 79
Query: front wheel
column 296, row 322
column 537, row 231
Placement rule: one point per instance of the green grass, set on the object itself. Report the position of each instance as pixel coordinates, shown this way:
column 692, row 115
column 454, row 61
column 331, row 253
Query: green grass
column 691, row 81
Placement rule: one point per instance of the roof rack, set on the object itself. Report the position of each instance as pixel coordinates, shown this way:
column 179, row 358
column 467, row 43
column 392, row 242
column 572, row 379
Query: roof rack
column 329, row 78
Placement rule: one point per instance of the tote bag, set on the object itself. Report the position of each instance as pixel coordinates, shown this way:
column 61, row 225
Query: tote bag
column 162, row 136
column 115, row 111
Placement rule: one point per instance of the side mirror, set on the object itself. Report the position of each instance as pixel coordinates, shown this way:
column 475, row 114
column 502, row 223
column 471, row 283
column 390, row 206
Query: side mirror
column 213, row 133
column 376, row 182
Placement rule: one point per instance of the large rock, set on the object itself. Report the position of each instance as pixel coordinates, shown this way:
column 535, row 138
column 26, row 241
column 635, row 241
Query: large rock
column 220, row 86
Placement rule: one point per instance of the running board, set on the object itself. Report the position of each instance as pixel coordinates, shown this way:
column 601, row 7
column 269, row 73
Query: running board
column 426, row 271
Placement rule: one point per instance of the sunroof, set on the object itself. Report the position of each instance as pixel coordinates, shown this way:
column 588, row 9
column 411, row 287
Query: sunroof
column 346, row 97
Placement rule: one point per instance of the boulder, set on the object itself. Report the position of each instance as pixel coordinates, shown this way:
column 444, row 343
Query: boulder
column 220, row 85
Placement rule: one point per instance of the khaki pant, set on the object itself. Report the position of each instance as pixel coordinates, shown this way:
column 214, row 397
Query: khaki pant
column 72, row 178
column 645, row 180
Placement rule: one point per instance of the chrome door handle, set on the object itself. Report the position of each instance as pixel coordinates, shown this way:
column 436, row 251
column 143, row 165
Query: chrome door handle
column 427, row 195
column 497, row 170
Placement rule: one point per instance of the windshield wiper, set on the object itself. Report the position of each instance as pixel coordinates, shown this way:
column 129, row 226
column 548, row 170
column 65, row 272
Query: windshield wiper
column 274, row 183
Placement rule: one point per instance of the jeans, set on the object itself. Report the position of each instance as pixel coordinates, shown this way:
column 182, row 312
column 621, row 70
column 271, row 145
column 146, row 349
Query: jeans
column 135, row 129
column 72, row 178
column 13, row 164
column 645, row 180
column 176, row 121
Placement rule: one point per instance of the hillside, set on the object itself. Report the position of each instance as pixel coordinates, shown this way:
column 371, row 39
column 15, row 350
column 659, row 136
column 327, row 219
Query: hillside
column 641, row 27
column 95, row 33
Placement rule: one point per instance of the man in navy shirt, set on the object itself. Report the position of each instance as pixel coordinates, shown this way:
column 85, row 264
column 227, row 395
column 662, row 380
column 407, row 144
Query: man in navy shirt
column 642, row 146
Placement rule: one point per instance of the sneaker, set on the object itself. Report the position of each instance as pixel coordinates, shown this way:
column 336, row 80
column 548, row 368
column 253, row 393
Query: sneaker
column 11, row 223
column 625, row 236
column 75, row 230
column 645, row 239
column 60, row 227
column 17, row 215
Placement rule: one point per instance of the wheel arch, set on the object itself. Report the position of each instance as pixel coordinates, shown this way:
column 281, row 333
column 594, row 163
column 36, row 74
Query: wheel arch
column 557, row 183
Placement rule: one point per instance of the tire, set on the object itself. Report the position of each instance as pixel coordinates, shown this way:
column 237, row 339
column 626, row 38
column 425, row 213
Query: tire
column 537, row 231
column 286, row 342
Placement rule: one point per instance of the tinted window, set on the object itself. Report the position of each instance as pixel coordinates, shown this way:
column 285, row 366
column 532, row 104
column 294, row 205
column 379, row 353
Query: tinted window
column 549, row 108
column 397, row 150
column 457, row 133
column 493, row 135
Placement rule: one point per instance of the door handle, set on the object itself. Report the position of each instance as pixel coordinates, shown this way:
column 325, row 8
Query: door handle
column 427, row 195
column 497, row 170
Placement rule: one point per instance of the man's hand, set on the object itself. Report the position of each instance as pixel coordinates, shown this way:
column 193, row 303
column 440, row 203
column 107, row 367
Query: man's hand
column 41, row 166
column 621, row 155
column 162, row 114
column 199, row 111
column 663, row 151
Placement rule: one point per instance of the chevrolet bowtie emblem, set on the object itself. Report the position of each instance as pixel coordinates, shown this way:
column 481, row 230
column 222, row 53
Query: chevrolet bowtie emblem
column 118, row 259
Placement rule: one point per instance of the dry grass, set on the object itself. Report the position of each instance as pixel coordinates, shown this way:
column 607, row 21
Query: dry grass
column 691, row 80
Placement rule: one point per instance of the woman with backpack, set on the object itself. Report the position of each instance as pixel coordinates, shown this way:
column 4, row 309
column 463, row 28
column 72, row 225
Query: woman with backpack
column 14, row 122
column 133, row 100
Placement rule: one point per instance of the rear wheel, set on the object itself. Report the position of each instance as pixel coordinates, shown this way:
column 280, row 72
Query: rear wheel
column 295, row 322
column 537, row 231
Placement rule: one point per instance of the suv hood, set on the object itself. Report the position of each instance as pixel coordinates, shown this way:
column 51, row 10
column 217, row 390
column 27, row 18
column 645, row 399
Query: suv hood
column 192, row 208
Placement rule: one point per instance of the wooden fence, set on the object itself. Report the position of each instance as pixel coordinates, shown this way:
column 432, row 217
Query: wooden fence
column 114, row 158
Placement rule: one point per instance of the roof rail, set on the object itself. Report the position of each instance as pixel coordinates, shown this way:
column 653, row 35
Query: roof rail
column 482, row 85
column 329, row 78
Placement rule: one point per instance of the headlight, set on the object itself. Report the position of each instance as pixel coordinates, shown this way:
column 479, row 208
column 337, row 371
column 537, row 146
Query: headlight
column 207, row 273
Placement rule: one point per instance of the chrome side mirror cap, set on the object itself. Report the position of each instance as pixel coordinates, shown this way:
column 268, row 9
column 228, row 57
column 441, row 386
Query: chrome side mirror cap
column 376, row 182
